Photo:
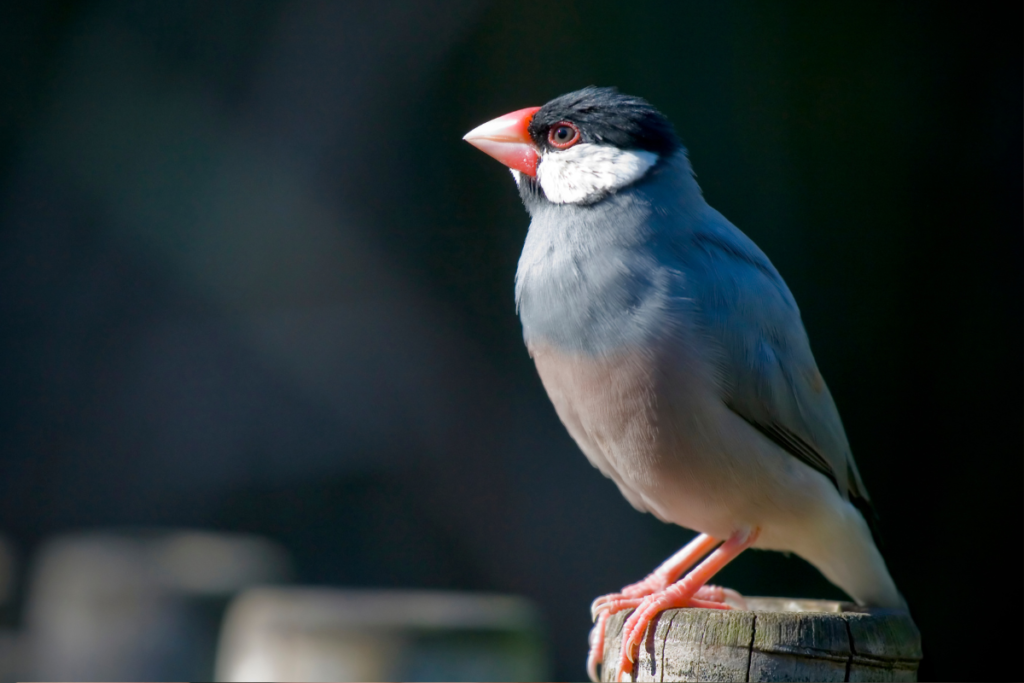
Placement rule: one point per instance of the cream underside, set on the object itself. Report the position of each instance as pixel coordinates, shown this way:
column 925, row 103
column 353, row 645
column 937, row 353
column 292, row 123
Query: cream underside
column 691, row 461
column 586, row 172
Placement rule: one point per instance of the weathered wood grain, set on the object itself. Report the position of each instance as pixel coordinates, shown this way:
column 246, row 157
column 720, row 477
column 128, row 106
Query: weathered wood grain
column 885, row 648
column 799, row 646
column 683, row 650
column 778, row 639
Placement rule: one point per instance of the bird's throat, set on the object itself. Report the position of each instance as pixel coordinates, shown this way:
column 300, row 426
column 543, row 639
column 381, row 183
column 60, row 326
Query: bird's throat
column 586, row 173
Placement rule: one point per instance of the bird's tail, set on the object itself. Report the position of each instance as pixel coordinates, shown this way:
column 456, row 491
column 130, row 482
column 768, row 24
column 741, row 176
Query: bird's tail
column 845, row 552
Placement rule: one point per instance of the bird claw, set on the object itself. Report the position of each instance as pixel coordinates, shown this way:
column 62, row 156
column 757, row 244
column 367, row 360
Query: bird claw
column 728, row 597
column 708, row 597
column 625, row 598
column 595, row 608
column 690, row 591
column 596, row 653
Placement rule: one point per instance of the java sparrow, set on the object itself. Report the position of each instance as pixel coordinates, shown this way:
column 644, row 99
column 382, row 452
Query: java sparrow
column 674, row 354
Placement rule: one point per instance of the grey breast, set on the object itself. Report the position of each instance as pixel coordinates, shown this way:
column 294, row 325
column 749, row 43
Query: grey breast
column 590, row 279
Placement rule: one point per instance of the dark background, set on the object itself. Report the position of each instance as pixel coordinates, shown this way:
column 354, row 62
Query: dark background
column 251, row 279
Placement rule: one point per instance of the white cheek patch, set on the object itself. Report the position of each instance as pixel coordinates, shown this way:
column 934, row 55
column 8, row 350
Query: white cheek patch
column 586, row 172
column 515, row 176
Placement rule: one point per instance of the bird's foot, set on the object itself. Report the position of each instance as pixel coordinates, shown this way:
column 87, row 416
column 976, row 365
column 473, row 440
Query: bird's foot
column 672, row 597
column 733, row 599
column 660, row 579
column 660, row 591
column 633, row 596
column 687, row 592
column 628, row 597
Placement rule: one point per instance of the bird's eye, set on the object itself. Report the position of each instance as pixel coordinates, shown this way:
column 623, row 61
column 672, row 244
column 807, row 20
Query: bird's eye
column 563, row 135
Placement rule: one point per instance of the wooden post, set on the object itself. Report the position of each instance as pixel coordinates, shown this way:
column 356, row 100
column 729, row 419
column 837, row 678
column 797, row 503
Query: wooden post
column 778, row 639
column 333, row 634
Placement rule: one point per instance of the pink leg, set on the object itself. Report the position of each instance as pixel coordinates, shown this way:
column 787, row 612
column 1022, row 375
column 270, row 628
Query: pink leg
column 662, row 577
column 631, row 596
column 680, row 594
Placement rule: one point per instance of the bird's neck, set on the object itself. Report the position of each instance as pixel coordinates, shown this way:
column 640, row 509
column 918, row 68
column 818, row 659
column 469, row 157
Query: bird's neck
column 589, row 272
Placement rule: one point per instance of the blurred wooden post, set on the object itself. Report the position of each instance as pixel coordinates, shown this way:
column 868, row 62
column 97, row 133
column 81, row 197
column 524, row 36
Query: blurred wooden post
column 779, row 639
column 332, row 634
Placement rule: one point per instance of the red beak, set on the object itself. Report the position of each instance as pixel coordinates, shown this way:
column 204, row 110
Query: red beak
column 507, row 140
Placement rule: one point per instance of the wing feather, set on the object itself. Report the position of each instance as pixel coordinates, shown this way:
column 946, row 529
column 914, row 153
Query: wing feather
column 767, row 371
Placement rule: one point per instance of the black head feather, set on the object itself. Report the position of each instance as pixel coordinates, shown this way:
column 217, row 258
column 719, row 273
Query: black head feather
column 606, row 116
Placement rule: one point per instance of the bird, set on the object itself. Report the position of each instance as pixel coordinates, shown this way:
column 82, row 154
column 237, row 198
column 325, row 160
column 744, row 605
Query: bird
column 676, row 357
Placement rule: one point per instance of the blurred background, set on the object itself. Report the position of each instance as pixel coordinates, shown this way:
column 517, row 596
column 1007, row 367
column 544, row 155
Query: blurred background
column 257, row 322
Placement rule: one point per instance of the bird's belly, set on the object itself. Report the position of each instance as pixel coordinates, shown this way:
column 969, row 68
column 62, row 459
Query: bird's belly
column 605, row 403
column 614, row 408
column 661, row 432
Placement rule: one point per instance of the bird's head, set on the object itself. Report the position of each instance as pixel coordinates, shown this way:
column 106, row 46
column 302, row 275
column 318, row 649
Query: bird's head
column 580, row 147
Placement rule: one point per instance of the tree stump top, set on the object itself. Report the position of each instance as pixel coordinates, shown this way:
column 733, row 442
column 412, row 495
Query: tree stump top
column 778, row 639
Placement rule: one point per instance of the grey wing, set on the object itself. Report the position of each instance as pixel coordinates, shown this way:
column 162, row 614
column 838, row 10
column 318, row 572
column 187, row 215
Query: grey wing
column 768, row 373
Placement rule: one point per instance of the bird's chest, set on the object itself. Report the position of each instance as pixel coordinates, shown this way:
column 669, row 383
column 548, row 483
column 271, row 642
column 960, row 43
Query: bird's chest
column 590, row 321
column 593, row 302
column 608, row 323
